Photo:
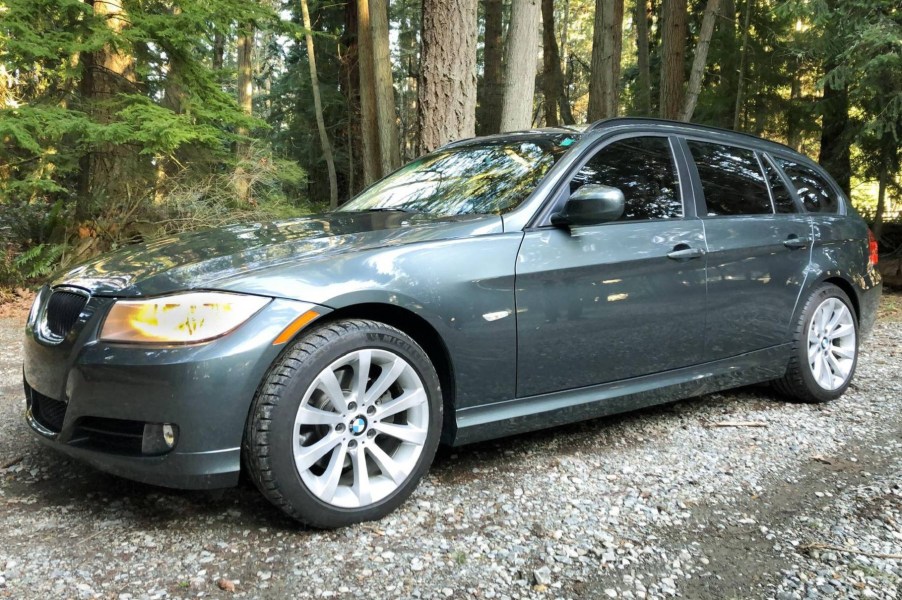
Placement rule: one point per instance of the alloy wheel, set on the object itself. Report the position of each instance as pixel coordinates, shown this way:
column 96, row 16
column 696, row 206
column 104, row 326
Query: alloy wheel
column 831, row 344
column 360, row 428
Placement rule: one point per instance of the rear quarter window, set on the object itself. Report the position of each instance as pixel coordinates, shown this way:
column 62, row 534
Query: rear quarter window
column 816, row 194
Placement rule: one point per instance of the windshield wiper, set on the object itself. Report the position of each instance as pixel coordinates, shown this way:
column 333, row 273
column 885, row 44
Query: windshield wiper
column 390, row 209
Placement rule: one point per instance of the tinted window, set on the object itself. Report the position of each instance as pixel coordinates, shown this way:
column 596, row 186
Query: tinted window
column 731, row 180
column 816, row 194
column 483, row 178
column 783, row 201
column 643, row 169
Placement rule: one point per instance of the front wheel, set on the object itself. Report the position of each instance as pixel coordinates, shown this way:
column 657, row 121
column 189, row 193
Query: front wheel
column 825, row 348
column 345, row 425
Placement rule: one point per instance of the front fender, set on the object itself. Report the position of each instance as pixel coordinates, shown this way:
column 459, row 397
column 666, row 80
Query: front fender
column 467, row 299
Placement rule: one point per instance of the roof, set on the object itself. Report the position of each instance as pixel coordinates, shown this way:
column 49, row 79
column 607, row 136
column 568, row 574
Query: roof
column 683, row 126
column 675, row 127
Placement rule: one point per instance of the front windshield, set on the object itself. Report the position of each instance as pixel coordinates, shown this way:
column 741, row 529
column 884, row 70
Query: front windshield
column 492, row 177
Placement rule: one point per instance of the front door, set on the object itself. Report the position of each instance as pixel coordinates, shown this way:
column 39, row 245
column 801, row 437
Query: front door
column 601, row 303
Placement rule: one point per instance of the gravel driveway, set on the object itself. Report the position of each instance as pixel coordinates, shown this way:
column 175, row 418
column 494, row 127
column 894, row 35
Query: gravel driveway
column 793, row 501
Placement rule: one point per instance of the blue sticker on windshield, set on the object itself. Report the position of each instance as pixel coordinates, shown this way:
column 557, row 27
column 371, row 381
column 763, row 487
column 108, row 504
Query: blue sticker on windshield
column 567, row 142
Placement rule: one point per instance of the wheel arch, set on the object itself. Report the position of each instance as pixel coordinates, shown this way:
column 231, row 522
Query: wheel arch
column 847, row 287
column 835, row 279
column 423, row 333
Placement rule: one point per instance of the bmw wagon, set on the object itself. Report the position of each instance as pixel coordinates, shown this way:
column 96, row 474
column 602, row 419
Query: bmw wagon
column 495, row 286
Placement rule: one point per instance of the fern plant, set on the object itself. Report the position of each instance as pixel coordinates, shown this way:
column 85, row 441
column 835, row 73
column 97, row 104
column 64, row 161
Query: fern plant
column 40, row 260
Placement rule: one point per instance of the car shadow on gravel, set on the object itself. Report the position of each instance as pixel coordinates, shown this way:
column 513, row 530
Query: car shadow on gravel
column 57, row 481
column 456, row 465
column 69, row 485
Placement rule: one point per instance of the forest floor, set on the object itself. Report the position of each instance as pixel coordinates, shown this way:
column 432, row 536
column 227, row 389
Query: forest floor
column 730, row 495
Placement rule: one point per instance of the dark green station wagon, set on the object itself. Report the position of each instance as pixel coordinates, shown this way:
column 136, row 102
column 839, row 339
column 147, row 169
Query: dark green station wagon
column 495, row 286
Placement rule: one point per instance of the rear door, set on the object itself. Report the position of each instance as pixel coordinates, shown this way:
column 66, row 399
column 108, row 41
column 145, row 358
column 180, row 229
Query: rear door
column 835, row 234
column 617, row 300
column 758, row 248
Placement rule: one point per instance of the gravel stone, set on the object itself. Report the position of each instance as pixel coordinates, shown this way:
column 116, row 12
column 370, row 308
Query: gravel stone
column 653, row 504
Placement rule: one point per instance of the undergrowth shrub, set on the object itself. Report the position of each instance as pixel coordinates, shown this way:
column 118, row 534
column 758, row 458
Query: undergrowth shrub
column 38, row 236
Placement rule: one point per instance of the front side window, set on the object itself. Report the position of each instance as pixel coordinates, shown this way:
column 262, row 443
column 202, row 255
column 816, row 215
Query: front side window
column 643, row 169
column 816, row 194
column 732, row 180
column 484, row 178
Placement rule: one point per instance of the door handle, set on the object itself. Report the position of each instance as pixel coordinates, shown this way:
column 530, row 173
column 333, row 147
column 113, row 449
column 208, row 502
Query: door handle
column 794, row 242
column 684, row 252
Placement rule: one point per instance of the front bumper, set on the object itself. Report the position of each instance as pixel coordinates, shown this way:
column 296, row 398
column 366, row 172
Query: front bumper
column 90, row 399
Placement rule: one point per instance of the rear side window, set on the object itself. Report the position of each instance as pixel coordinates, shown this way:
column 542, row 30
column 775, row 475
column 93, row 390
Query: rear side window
column 783, row 201
column 731, row 180
column 643, row 169
column 816, row 194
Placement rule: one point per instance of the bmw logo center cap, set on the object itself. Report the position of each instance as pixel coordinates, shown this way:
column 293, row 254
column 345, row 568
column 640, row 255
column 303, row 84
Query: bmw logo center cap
column 358, row 425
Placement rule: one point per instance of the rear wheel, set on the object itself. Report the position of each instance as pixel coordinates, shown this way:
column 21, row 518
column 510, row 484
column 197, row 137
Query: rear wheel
column 825, row 348
column 345, row 425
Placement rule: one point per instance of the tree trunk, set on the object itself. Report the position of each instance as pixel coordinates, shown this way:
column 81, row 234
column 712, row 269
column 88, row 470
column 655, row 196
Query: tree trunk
column 701, row 59
column 263, row 71
column 644, row 77
column 655, row 53
column 520, row 65
column 173, row 99
column 673, row 52
column 447, row 87
column 553, row 79
column 352, row 166
column 740, row 75
column 318, row 108
column 836, row 134
column 835, row 153
column 727, row 51
column 246, row 73
column 491, row 91
column 793, row 127
column 386, row 115
column 109, row 170
column 246, row 103
column 407, row 41
column 604, row 87
column 564, row 98
column 4, row 86
column 174, row 90
column 218, row 50
column 350, row 82
column 369, row 132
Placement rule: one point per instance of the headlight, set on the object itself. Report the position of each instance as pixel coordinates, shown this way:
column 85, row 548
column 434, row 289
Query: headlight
column 179, row 319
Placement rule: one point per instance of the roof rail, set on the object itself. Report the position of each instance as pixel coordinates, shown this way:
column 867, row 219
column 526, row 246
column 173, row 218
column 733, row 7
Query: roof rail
column 651, row 120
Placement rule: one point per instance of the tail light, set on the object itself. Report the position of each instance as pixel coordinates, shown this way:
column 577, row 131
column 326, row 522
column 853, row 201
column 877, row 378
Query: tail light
column 873, row 254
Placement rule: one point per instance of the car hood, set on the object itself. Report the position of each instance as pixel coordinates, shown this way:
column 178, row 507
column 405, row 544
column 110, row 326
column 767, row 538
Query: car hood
column 200, row 259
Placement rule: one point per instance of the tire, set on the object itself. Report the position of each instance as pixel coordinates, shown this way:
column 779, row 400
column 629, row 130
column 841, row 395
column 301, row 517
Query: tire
column 310, row 429
column 822, row 366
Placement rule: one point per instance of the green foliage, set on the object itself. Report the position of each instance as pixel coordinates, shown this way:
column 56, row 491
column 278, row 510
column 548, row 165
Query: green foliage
column 177, row 116
column 32, row 239
column 48, row 125
column 39, row 260
column 186, row 148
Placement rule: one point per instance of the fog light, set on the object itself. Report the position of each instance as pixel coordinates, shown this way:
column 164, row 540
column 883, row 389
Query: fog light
column 159, row 438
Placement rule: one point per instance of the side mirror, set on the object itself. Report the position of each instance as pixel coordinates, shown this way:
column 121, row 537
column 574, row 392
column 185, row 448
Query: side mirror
column 591, row 204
